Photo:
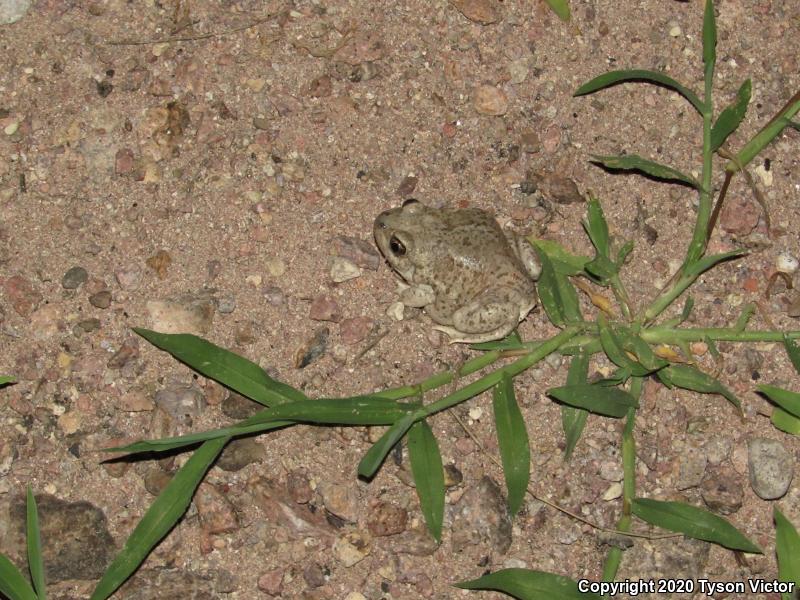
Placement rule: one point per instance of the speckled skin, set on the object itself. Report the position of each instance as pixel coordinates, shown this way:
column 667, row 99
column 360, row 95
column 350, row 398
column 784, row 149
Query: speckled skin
column 474, row 280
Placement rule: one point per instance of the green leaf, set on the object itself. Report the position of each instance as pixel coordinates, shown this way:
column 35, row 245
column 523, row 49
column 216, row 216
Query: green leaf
column 13, row 584
column 602, row 268
column 162, row 515
column 34, row 542
column 617, row 342
column 527, row 584
column 5, row 379
column 634, row 162
column 512, row 439
column 558, row 296
column 426, row 466
column 699, row 267
column 785, row 421
column 792, row 351
column 356, row 410
column 603, row 400
column 689, row 378
column 730, row 118
column 623, row 253
column 614, row 77
column 560, row 7
column 787, row 548
column 562, row 260
column 693, row 522
column 596, row 227
column 573, row 420
column 709, row 44
column 788, row 401
column 231, row 370
column 764, row 137
column 687, row 308
column 375, row 456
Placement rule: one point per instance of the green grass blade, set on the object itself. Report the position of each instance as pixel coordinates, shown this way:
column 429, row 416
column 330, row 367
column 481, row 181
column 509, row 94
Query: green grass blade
column 357, row 410
column 792, row 351
column 730, row 118
column 560, row 7
column 763, row 138
column 785, row 421
column 693, row 522
column 34, row 542
column 787, row 548
column 558, row 295
column 616, row 77
column 704, row 264
column 604, row 400
column 232, row 370
column 573, row 420
column 615, row 342
column 709, row 45
column 634, row 162
column 623, row 253
column 690, row 378
column 788, row 401
column 6, row 379
column 563, row 261
column 160, row 518
column 512, row 439
column 426, row 466
column 375, row 456
column 527, row 584
column 597, row 227
column 13, row 584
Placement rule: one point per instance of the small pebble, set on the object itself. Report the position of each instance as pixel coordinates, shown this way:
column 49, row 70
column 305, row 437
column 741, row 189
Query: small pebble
column 226, row 305
column 74, row 278
column 490, row 100
column 325, row 308
column 312, row 348
column 396, row 311
column 484, row 12
column 181, row 402
column 352, row 548
column 275, row 267
column 128, row 279
column 342, row 270
column 101, row 299
column 274, row 295
column 240, row 453
column 770, row 466
column 356, row 329
column 786, row 263
column 271, row 582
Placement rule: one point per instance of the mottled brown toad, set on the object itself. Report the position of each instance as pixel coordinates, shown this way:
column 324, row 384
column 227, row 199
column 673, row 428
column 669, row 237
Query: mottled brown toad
column 474, row 280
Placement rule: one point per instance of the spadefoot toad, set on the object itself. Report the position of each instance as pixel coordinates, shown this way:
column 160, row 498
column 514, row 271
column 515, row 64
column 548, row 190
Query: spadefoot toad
column 474, row 280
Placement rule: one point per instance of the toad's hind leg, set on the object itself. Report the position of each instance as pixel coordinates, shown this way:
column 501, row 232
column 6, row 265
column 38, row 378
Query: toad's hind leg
column 491, row 316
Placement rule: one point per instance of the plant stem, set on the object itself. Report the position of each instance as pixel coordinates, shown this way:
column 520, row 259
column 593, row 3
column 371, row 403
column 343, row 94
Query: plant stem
column 488, row 381
column 614, row 557
column 621, row 294
column 671, row 335
column 443, row 378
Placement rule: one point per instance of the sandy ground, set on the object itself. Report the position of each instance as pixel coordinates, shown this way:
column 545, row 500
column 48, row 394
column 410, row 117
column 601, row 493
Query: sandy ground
column 228, row 167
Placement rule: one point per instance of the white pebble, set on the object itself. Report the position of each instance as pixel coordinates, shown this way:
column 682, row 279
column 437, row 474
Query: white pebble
column 343, row 269
column 396, row 311
column 786, row 263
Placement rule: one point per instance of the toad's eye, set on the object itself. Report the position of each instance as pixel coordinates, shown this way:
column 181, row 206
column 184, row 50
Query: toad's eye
column 397, row 247
column 410, row 201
